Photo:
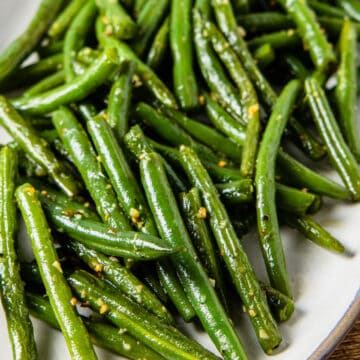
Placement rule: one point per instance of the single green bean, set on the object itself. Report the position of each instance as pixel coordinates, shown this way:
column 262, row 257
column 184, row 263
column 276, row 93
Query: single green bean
column 76, row 35
column 264, row 55
column 19, row 326
column 148, row 20
column 313, row 231
column 86, row 161
column 21, row 47
column 235, row 258
column 322, row 8
column 296, row 67
column 121, row 277
column 50, row 48
column 36, row 148
column 287, row 39
column 119, row 101
column 195, row 214
column 340, row 155
column 48, row 83
column 159, row 45
column 104, row 335
column 161, row 337
column 346, row 87
column 236, row 191
column 57, row 289
column 151, row 81
column 121, row 177
column 77, row 89
column 268, row 227
column 185, row 84
column 63, row 20
column 320, row 49
column 116, row 19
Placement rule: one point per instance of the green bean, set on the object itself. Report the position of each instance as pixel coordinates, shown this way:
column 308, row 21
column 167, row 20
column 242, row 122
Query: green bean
column 205, row 134
column 98, row 236
column 212, row 70
column 50, row 48
column 161, row 337
column 346, row 87
column 56, row 286
column 236, row 260
column 19, row 326
column 102, row 334
column 121, row 277
column 159, row 45
column 36, row 148
column 294, row 172
column 169, row 131
column 150, row 278
column 185, row 84
column 139, row 4
column 251, row 108
column 340, row 155
column 268, row 227
column 64, row 19
column 322, row 8
column 121, row 177
column 170, row 282
column 288, row 38
column 119, row 101
column 236, row 191
column 264, row 55
column 21, row 47
column 48, row 83
column 309, row 29
column 148, row 20
column 82, row 152
column 281, row 305
column 32, row 73
column 147, row 76
column 227, row 23
column 118, row 23
column 351, row 8
column 313, row 231
column 195, row 214
column 76, row 35
column 192, row 276
column 75, row 90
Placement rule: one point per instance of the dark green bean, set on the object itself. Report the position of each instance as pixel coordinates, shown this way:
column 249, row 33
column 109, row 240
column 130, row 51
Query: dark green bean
column 205, row 134
column 121, row 176
column 340, row 155
column 57, row 289
column 19, row 326
column 236, row 191
column 147, row 76
column 288, row 38
column 21, row 47
column 119, row 101
column 104, row 335
column 36, row 148
column 264, row 55
column 296, row 67
column 268, row 227
column 322, row 8
column 185, row 84
column 159, row 45
column 236, row 260
column 161, row 337
column 121, row 277
column 49, row 48
column 77, row 89
column 313, row 231
column 117, row 21
column 64, row 19
column 85, row 159
column 148, row 20
column 309, row 29
column 76, row 35
column 195, row 214
column 346, row 87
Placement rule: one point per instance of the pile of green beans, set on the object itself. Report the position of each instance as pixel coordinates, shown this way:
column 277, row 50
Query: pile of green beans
column 147, row 138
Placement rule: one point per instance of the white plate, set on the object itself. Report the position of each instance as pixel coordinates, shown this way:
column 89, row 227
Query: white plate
column 326, row 286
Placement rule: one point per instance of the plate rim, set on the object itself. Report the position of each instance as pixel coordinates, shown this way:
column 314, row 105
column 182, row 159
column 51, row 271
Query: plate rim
column 342, row 327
